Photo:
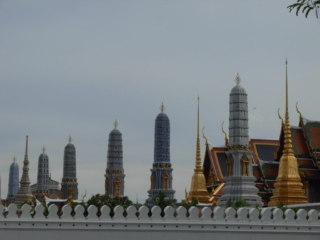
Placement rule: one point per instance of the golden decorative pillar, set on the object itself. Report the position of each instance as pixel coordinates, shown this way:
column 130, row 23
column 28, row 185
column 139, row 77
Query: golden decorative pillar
column 116, row 187
column 198, row 187
column 288, row 187
column 164, row 181
column 229, row 165
column 245, row 162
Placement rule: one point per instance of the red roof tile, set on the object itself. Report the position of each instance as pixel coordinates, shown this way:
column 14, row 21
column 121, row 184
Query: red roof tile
column 299, row 143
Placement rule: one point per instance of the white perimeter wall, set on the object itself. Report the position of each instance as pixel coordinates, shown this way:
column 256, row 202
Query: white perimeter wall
column 219, row 224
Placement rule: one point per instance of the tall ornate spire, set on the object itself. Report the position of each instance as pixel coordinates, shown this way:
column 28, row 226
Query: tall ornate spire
column 69, row 185
column 24, row 192
column 43, row 175
column 13, row 185
column 288, row 186
column 161, row 172
column 114, row 177
column 198, row 187
column 239, row 179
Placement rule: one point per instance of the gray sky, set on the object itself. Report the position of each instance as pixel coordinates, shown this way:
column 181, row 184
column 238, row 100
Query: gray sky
column 73, row 67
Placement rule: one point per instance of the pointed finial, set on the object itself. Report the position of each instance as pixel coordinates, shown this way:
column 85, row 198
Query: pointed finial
column 300, row 115
column 226, row 139
column 26, row 145
column 115, row 124
column 282, row 122
column 14, row 159
column 198, row 149
column 286, row 61
column 238, row 79
column 162, row 108
column 43, row 149
column 70, row 139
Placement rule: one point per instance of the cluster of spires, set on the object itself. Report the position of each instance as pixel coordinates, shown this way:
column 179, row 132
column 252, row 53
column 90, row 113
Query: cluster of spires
column 288, row 186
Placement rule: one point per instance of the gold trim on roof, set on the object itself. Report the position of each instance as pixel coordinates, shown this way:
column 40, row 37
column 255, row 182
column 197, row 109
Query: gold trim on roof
column 226, row 139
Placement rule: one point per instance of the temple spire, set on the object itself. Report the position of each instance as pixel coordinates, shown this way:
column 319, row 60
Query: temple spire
column 288, row 186
column 198, row 150
column 198, row 187
column 24, row 192
column 70, row 139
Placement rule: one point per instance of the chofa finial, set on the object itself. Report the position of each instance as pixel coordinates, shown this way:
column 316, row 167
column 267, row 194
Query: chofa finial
column 226, row 139
column 115, row 124
column 162, row 108
column 300, row 115
column 238, row 79
column 280, row 116
column 70, row 139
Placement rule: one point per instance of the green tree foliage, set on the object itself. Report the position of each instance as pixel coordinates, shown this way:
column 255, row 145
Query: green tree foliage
column 162, row 202
column 305, row 6
column 100, row 200
column 238, row 204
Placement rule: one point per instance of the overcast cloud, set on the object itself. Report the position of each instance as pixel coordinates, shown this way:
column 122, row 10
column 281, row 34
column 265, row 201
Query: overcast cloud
column 73, row 67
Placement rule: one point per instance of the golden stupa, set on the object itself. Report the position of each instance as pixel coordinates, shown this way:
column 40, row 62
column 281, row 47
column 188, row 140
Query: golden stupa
column 288, row 187
column 198, row 188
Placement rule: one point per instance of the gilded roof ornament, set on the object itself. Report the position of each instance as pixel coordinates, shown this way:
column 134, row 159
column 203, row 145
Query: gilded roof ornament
column 70, row 139
column 300, row 115
column 238, row 79
column 115, row 124
column 84, row 195
column 280, row 116
column 226, row 139
column 162, row 108
column 204, row 136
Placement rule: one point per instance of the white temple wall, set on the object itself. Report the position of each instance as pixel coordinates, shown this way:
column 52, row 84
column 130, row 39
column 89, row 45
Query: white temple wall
column 217, row 224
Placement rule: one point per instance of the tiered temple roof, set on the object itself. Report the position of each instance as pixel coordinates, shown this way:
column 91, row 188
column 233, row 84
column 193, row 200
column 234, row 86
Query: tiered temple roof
column 266, row 155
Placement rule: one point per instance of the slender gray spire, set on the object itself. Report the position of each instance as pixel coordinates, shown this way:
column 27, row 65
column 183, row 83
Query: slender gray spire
column 43, row 175
column 239, row 179
column 24, row 192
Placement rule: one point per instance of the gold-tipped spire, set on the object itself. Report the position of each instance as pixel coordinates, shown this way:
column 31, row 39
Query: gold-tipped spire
column 282, row 122
column 204, row 136
column 198, row 188
column 288, row 186
column 238, row 79
column 70, row 139
column 162, row 107
column 226, row 139
column 115, row 124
